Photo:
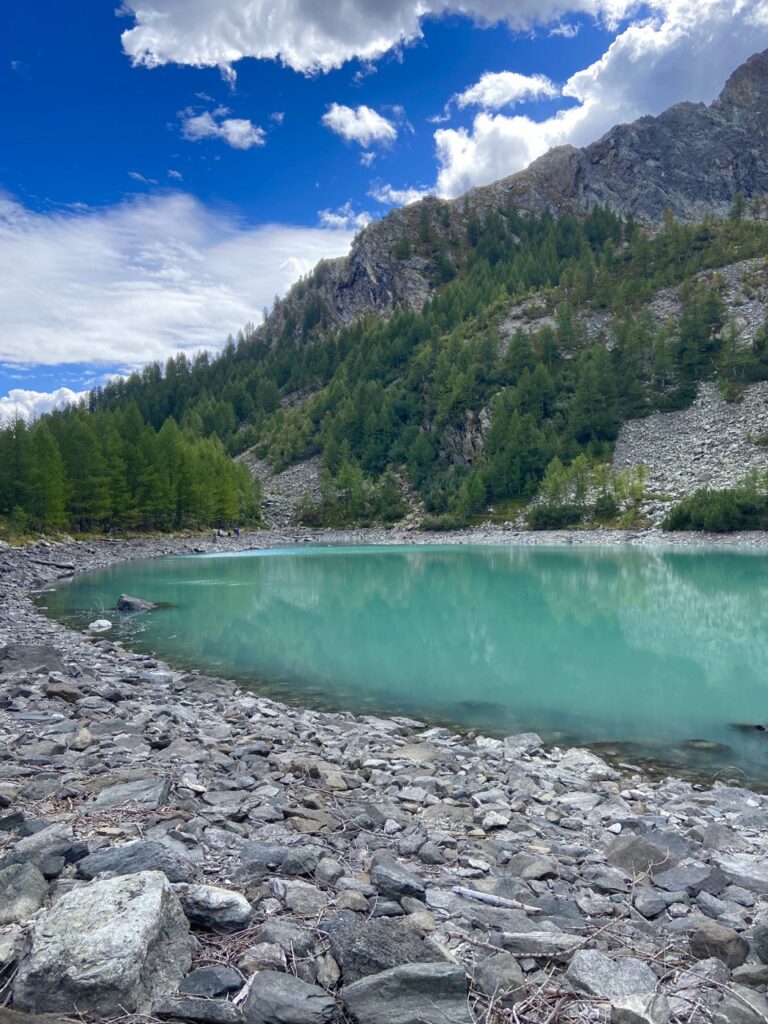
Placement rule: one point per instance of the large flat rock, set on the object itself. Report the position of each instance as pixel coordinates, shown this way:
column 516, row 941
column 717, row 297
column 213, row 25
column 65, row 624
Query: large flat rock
column 106, row 949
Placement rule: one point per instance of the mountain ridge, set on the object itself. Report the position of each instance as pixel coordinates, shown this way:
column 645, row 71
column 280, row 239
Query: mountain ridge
column 691, row 160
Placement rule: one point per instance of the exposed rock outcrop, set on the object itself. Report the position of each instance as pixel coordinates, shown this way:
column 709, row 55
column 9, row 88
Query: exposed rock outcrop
column 690, row 160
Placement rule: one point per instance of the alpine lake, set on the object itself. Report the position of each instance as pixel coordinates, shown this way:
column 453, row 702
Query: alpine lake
column 654, row 657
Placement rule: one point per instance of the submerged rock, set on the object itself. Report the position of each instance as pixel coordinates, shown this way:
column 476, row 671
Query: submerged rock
column 127, row 604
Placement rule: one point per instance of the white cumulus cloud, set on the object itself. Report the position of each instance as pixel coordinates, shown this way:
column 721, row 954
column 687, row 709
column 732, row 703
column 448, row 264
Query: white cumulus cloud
column 685, row 50
column 141, row 280
column 237, row 132
column 30, row 405
column 505, row 88
column 359, row 124
column 312, row 35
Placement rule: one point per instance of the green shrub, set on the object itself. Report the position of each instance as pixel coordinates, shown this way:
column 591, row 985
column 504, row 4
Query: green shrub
column 554, row 517
column 726, row 511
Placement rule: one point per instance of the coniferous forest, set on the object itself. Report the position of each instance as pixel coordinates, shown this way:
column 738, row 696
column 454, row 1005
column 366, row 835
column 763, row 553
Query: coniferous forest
column 377, row 400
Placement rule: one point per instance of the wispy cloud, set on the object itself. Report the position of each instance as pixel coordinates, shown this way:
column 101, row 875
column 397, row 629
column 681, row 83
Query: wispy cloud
column 141, row 280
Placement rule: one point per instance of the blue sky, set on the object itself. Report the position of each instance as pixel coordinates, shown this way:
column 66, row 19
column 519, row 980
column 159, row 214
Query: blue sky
column 166, row 169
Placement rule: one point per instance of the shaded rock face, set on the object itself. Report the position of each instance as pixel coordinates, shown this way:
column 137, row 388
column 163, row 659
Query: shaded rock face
column 108, row 948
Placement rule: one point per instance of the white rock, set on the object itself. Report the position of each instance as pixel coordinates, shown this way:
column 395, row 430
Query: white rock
column 100, row 625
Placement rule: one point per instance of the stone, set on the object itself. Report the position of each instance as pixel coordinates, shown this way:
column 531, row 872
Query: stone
column 644, row 1009
column 411, row 994
column 11, row 946
column 599, row 975
column 258, row 860
column 710, row 939
column 150, row 793
column 691, row 879
column 524, row 743
column 106, row 949
column 394, row 880
column 741, row 1005
column 550, row 945
column 748, row 872
column 587, row 765
column 294, row 939
column 301, row 860
column 642, row 854
column 328, row 870
column 302, row 898
column 215, row 909
column 365, row 947
column 498, row 977
column 127, row 604
column 264, row 956
column 18, row 658
column 204, row 1011
column 212, row 982
column 283, row 999
column 648, row 902
column 23, row 890
column 760, row 937
column 141, row 855
column 100, row 626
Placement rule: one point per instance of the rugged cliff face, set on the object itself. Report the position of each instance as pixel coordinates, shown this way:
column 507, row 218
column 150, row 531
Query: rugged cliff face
column 689, row 160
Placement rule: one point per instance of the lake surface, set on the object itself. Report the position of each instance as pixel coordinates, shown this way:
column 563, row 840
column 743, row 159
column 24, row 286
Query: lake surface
column 654, row 654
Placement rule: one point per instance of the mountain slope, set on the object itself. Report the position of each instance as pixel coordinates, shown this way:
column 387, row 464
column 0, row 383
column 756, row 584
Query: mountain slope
column 690, row 160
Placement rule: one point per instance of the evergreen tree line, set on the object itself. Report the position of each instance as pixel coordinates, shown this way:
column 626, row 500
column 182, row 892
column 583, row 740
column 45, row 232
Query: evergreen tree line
column 380, row 400
column 86, row 471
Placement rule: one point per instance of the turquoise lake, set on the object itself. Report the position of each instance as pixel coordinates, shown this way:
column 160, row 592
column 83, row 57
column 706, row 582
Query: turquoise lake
column 648, row 654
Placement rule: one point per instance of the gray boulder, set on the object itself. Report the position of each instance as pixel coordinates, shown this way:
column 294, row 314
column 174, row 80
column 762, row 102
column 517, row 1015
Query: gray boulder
column 647, row 1009
column 363, row 947
column 214, row 908
column 652, row 851
column 523, row 743
column 276, row 998
column 760, row 938
column 149, row 793
column 212, row 982
column 141, row 855
column 394, row 880
column 599, row 975
column 692, row 879
column 710, row 939
column 741, row 1005
column 749, row 872
column 411, row 994
column 18, row 658
column 499, row 977
column 106, row 949
column 23, row 890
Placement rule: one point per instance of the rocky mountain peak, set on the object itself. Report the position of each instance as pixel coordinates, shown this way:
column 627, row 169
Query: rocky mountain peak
column 745, row 94
column 692, row 159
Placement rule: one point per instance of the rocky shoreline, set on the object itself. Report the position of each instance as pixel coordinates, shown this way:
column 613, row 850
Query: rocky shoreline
column 174, row 847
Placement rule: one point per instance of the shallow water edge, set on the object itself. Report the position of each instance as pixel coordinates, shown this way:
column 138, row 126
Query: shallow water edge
column 41, row 566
